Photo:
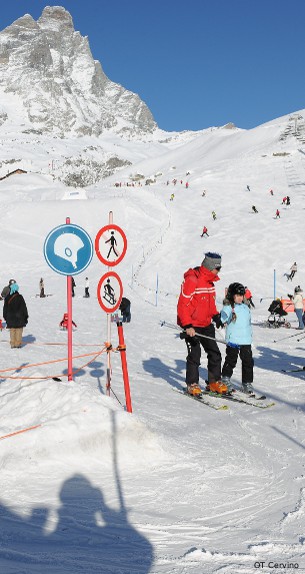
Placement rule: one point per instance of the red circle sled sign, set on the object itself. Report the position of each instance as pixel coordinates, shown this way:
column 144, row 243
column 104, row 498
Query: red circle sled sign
column 110, row 292
column 110, row 244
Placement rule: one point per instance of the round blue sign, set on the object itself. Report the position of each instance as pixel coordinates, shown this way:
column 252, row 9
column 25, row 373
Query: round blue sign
column 68, row 249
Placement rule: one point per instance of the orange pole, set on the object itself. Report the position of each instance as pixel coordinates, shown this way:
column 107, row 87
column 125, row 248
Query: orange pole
column 122, row 349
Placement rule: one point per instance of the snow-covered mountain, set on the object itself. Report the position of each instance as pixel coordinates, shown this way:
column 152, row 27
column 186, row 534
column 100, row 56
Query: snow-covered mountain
column 49, row 68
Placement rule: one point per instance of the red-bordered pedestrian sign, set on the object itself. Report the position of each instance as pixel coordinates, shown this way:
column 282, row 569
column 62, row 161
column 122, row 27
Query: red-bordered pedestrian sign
column 110, row 245
column 110, row 292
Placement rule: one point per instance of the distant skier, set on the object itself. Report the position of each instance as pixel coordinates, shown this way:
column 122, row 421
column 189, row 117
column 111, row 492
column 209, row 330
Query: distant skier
column 87, row 294
column 41, row 288
column 172, row 197
column 271, row 191
column 288, row 200
column 214, row 215
column 248, row 297
column 248, row 188
column 284, row 200
column 73, row 285
column 64, row 322
column 204, row 232
column 293, row 270
column 277, row 214
column 254, row 209
column 125, row 310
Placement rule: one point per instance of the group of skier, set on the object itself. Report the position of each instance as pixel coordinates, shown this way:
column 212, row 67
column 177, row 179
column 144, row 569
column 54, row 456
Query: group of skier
column 197, row 314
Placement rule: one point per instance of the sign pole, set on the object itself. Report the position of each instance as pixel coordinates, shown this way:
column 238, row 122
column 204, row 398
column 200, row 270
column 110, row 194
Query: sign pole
column 69, row 310
column 108, row 375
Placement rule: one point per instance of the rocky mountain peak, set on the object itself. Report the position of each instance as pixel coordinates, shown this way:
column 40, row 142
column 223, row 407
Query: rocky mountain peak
column 56, row 18
column 61, row 88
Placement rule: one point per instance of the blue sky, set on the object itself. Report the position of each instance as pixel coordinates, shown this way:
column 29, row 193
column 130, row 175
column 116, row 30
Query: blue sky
column 196, row 63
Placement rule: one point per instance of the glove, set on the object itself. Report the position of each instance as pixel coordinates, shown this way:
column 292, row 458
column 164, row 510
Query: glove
column 217, row 320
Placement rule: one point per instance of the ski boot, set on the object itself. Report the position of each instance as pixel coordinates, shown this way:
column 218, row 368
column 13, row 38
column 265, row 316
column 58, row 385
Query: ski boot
column 247, row 388
column 227, row 381
column 194, row 390
column 217, row 387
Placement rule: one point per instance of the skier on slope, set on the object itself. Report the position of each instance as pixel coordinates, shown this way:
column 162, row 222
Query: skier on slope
column 196, row 310
column 293, row 270
column 204, row 232
column 236, row 316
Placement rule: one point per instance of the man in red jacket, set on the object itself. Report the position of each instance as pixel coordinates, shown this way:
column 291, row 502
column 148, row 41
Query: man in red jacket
column 196, row 311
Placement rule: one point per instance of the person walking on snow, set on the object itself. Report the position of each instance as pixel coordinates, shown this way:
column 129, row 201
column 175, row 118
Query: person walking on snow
column 16, row 315
column 236, row 317
column 195, row 312
column 87, row 294
column 298, row 305
column 204, row 232
column 41, row 288
column 73, row 285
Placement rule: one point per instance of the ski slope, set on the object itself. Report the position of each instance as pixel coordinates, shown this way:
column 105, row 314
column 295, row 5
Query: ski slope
column 175, row 487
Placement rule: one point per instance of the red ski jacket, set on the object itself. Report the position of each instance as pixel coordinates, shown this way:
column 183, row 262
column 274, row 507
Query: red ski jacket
column 196, row 303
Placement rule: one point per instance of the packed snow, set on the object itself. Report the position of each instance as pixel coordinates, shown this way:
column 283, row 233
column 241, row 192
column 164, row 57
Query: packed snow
column 175, row 487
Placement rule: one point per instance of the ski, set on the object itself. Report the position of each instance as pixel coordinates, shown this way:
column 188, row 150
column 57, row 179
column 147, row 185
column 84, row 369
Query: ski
column 203, row 401
column 251, row 400
column 299, row 370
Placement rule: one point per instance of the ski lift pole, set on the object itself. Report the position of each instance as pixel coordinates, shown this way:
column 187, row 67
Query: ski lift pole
column 122, row 349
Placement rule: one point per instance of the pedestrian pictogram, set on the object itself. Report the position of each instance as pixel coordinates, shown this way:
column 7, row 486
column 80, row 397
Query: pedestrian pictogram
column 68, row 249
column 110, row 245
column 110, row 292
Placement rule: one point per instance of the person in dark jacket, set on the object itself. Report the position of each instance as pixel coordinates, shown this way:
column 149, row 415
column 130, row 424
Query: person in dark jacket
column 15, row 314
column 125, row 310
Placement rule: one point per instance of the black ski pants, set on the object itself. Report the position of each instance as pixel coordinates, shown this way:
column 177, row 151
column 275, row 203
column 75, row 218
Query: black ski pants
column 245, row 353
column 194, row 355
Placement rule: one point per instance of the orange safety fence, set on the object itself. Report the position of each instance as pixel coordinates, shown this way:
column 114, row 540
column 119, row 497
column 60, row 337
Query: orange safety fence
column 95, row 355
column 19, row 432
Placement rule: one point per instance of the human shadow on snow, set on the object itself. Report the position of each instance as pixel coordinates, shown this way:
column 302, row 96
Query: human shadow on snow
column 90, row 536
column 175, row 376
column 276, row 361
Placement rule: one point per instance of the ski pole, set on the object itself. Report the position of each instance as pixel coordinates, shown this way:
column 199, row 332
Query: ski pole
column 264, row 298
column 171, row 326
column 289, row 337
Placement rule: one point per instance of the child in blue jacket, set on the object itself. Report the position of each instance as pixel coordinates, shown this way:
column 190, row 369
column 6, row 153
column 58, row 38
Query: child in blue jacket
column 236, row 316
